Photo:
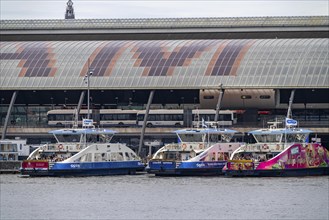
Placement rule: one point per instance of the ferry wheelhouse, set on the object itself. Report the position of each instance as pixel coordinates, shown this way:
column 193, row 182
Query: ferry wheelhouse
column 14, row 149
column 200, row 152
column 279, row 152
column 82, row 152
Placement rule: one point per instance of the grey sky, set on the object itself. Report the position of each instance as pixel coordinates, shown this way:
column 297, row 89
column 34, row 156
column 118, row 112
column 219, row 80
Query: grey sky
column 55, row 9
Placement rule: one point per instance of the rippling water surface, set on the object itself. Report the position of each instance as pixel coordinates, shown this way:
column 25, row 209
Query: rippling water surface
column 149, row 197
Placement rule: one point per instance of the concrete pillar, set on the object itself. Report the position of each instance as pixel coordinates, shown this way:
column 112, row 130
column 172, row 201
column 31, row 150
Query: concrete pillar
column 82, row 96
column 220, row 97
column 145, row 121
column 291, row 100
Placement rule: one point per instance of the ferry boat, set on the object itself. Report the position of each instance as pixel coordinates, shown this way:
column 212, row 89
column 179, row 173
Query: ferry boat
column 82, row 152
column 279, row 152
column 200, row 152
column 14, row 149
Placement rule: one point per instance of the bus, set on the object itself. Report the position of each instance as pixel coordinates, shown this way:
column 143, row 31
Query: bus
column 117, row 117
column 63, row 117
column 225, row 117
column 156, row 118
column 162, row 117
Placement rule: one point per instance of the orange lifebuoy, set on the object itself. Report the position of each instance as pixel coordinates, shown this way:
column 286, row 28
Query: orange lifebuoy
column 61, row 147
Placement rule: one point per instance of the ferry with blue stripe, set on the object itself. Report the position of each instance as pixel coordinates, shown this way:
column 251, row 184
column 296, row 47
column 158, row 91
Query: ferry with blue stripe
column 200, row 152
column 91, row 155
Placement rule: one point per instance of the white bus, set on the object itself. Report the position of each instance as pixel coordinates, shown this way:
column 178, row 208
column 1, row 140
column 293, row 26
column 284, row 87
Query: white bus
column 158, row 117
column 225, row 117
column 162, row 117
column 62, row 117
column 118, row 117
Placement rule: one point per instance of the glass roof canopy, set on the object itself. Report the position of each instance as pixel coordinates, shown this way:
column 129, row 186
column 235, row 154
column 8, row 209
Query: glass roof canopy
column 166, row 64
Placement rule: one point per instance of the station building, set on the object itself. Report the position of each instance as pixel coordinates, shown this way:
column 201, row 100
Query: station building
column 252, row 65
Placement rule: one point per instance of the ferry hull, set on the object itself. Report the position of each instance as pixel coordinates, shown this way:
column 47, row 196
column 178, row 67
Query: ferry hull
column 186, row 168
column 86, row 169
column 82, row 172
column 320, row 171
column 186, row 172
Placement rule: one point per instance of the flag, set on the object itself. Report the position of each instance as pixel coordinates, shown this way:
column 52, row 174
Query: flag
column 204, row 124
column 291, row 122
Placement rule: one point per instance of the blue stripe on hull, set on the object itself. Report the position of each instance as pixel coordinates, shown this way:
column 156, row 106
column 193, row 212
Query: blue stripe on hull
column 187, row 172
column 321, row 171
column 89, row 169
column 199, row 168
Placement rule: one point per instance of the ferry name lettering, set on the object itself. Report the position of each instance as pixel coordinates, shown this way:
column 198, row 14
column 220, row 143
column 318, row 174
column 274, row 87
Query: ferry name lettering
column 75, row 165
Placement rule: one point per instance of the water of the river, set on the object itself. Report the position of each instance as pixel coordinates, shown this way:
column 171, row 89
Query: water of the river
column 148, row 197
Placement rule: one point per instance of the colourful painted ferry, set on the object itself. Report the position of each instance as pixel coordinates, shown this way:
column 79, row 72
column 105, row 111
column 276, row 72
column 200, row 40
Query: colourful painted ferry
column 82, row 152
column 279, row 152
column 200, row 152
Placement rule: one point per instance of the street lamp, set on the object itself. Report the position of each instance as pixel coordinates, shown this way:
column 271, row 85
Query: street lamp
column 86, row 79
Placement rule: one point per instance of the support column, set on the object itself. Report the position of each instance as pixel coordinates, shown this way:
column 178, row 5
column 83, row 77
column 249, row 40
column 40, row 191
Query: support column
column 145, row 121
column 291, row 100
column 82, row 97
column 12, row 102
column 77, row 112
column 219, row 101
column 277, row 98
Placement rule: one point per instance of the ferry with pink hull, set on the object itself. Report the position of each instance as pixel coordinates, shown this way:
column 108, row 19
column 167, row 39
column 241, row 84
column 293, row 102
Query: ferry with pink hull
column 279, row 152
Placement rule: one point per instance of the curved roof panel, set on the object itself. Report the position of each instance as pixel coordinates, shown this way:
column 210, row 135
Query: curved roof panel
column 165, row 64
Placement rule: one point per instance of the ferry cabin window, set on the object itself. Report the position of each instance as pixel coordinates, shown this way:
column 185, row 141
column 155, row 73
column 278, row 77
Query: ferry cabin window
column 98, row 157
column 68, row 138
column 268, row 138
column 191, row 137
column 102, row 138
column 8, row 147
column 170, row 156
column 114, row 156
column 86, row 158
column 133, row 156
column 213, row 138
column 105, row 138
column 295, row 137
